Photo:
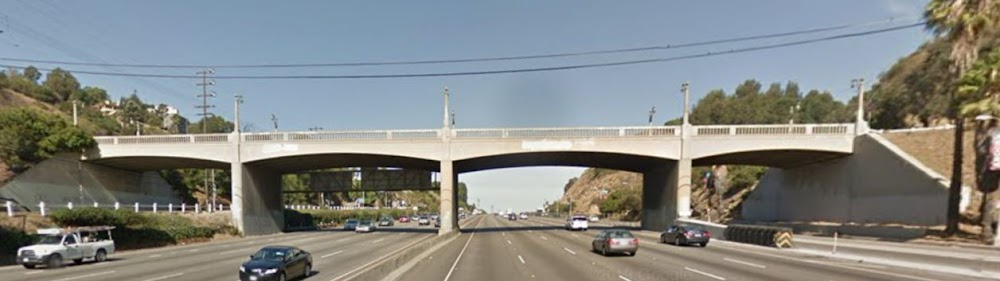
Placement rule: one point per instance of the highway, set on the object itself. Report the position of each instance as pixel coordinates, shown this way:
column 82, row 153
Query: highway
column 540, row 249
column 337, row 255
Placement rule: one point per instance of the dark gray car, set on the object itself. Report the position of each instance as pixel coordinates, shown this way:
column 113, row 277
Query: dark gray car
column 685, row 234
column 278, row 263
column 612, row 241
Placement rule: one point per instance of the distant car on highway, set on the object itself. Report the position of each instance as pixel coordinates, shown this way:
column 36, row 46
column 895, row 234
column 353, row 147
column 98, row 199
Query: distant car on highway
column 524, row 216
column 611, row 241
column 386, row 221
column 437, row 222
column 424, row 220
column 577, row 223
column 414, row 218
column 350, row 224
column 365, row 226
column 686, row 234
column 512, row 217
column 594, row 219
column 404, row 219
column 434, row 216
column 277, row 263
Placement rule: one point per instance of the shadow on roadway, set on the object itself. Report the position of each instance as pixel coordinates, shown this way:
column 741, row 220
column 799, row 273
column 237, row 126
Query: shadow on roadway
column 70, row 263
column 530, row 227
column 394, row 229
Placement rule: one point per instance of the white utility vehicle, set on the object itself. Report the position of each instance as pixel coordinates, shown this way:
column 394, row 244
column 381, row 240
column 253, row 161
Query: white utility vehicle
column 61, row 244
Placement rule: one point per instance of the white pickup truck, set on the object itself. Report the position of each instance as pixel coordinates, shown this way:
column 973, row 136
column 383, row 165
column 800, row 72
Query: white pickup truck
column 57, row 245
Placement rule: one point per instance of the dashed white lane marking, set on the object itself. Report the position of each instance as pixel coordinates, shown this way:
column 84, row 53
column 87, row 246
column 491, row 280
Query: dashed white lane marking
column 236, row 251
column 379, row 240
column 570, row 251
column 342, row 239
column 508, row 242
column 156, row 256
column 623, row 278
column 331, row 254
column 165, row 277
column 704, row 273
column 193, row 250
column 34, row 272
column 574, row 235
column 85, row 276
column 520, row 258
column 745, row 263
column 543, row 238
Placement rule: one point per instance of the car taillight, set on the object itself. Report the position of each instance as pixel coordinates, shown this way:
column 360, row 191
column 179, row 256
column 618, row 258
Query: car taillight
column 708, row 234
column 635, row 241
column 612, row 242
column 688, row 234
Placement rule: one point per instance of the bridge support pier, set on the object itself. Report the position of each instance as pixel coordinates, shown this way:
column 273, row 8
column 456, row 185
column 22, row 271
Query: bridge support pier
column 257, row 208
column 666, row 194
column 449, row 194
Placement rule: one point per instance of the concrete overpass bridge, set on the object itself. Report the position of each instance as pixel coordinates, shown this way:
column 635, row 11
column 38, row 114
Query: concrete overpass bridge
column 663, row 154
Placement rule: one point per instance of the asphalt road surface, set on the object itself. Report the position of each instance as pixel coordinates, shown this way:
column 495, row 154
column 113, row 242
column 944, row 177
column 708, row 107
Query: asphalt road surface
column 540, row 249
column 336, row 255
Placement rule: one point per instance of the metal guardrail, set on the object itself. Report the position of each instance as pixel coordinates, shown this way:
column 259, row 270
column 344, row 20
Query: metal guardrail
column 512, row 133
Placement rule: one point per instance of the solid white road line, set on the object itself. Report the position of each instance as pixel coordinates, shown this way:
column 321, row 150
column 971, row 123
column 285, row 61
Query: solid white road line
column 156, row 256
column 193, row 250
column 704, row 273
column 34, row 272
column 623, row 278
column 330, row 255
column 165, row 277
column 453, row 265
column 520, row 258
column 570, row 251
column 379, row 240
column 826, row 264
column 85, row 276
column 543, row 238
column 745, row 263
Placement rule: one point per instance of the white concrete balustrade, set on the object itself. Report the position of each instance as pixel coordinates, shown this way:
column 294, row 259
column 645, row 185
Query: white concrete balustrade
column 12, row 209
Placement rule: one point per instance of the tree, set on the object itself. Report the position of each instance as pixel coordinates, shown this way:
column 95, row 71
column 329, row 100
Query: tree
column 979, row 89
column 62, row 84
column 962, row 23
column 90, row 95
column 32, row 74
column 29, row 135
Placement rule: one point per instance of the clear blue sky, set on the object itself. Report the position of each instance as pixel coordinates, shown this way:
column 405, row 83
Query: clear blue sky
column 219, row 32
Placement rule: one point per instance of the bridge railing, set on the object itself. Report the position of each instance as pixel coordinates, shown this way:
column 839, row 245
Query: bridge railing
column 774, row 130
column 583, row 132
column 163, row 139
column 343, row 135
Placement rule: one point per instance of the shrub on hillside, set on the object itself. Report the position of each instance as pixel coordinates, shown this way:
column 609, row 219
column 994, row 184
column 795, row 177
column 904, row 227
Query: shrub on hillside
column 11, row 239
column 336, row 217
column 139, row 230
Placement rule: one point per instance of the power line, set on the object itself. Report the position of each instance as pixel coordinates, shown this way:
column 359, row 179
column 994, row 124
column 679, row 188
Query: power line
column 465, row 60
column 503, row 71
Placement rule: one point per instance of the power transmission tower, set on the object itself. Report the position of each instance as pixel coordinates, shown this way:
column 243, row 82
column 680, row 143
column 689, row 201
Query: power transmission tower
column 274, row 120
column 205, row 94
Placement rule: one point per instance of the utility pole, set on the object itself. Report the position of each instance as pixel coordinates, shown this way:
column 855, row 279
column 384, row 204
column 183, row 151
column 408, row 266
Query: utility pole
column 205, row 94
column 685, row 88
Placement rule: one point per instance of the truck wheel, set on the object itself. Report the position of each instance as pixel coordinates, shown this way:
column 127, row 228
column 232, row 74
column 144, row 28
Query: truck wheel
column 101, row 256
column 55, row 261
column 29, row 266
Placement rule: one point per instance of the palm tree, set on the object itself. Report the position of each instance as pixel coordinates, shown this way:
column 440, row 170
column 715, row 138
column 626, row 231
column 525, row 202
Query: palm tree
column 979, row 89
column 961, row 23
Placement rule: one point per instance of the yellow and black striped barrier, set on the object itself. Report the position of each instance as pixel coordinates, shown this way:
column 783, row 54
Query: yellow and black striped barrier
column 779, row 237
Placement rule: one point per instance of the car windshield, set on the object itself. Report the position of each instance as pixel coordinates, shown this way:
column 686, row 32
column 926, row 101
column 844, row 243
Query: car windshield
column 620, row 234
column 693, row 227
column 269, row 254
column 579, row 218
column 50, row 240
column 352, row 221
column 366, row 223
